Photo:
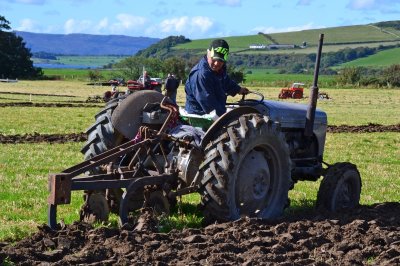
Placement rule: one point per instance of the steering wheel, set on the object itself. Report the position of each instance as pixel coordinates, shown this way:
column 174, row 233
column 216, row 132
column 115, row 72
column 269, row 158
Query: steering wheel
column 247, row 102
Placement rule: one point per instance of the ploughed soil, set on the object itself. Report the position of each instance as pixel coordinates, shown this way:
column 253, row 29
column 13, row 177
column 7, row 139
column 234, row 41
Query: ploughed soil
column 368, row 235
column 62, row 138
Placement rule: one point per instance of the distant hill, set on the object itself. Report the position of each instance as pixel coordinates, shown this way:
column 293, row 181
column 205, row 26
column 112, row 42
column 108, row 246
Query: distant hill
column 294, row 51
column 336, row 38
column 85, row 44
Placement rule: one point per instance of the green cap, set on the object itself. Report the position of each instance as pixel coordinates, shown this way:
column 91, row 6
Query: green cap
column 219, row 50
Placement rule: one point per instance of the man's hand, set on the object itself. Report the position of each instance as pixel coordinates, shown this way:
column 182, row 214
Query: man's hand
column 244, row 91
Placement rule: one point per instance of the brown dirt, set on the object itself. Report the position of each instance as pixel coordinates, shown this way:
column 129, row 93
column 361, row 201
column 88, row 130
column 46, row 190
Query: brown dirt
column 62, row 138
column 48, row 138
column 369, row 235
column 370, row 128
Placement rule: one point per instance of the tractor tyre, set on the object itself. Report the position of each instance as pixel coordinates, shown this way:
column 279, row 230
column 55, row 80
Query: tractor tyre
column 340, row 188
column 297, row 95
column 101, row 135
column 95, row 208
column 159, row 203
column 247, row 171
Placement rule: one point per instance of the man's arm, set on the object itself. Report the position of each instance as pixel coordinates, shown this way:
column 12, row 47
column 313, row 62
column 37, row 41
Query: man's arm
column 233, row 88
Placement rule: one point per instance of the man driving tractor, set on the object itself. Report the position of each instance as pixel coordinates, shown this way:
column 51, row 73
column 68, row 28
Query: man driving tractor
column 208, row 83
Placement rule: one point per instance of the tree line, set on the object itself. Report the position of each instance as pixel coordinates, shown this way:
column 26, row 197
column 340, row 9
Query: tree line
column 132, row 67
column 15, row 58
column 362, row 76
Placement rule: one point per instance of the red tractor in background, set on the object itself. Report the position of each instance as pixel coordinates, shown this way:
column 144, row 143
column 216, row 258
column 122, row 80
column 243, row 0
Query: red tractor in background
column 133, row 85
column 294, row 92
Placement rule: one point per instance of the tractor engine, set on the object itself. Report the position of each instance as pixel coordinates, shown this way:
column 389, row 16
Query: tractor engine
column 181, row 159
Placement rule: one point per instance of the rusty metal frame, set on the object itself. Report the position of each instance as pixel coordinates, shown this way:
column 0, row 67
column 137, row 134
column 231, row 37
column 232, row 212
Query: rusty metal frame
column 62, row 184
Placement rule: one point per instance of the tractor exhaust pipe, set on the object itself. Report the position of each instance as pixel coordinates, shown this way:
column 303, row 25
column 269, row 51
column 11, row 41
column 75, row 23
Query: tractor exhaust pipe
column 312, row 105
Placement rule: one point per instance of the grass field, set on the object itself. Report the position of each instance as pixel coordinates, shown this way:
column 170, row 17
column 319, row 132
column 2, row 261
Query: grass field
column 336, row 38
column 235, row 43
column 382, row 59
column 84, row 61
column 24, row 168
column 335, row 35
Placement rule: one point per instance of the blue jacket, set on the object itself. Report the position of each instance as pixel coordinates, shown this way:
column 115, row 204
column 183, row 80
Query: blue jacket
column 207, row 91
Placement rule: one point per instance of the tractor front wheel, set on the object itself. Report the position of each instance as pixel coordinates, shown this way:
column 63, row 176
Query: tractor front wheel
column 340, row 188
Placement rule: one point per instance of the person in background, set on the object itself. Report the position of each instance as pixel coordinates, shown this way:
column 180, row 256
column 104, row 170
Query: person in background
column 171, row 87
column 145, row 80
column 208, row 83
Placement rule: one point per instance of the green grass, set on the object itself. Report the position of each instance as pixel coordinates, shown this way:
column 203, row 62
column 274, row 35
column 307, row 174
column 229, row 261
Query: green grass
column 66, row 73
column 24, row 170
column 376, row 156
column 336, row 38
column 269, row 77
column 347, row 106
column 89, row 61
column 77, row 74
column 79, row 89
column 326, row 48
column 235, row 43
column 382, row 59
column 348, row 34
column 46, row 120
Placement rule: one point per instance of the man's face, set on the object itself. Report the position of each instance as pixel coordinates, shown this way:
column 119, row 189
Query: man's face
column 215, row 65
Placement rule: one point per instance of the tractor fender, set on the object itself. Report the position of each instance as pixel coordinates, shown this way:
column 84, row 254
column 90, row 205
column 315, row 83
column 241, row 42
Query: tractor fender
column 224, row 120
column 127, row 116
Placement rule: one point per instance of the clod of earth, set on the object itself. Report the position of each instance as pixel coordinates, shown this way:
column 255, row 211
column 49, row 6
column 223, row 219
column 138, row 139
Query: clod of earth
column 367, row 235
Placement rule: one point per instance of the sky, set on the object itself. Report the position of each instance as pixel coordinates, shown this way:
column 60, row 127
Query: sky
column 196, row 19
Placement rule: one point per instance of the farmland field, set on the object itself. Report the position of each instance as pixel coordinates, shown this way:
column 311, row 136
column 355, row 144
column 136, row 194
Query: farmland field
column 336, row 38
column 80, row 61
column 381, row 59
column 24, row 167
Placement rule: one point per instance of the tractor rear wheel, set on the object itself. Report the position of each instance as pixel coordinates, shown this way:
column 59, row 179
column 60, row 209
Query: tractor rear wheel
column 246, row 171
column 340, row 188
column 297, row 95
column 101, row 135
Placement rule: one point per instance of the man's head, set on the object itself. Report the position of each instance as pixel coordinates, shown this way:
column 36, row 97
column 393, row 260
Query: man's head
column 217, row 54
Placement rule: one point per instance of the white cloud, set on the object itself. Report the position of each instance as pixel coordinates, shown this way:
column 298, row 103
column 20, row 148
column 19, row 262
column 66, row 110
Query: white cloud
column 27, row 25
column 103, row 24
column 379, row 5
column 287, row 29
column 125, row 24
column 77, row 26
column 128, row 22
column 362, row 4
column 174, row 24
column 228, row 2
column 202, row 23
column 304, row 2
column 185, row 25
column 28, row 2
